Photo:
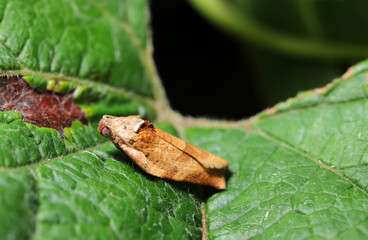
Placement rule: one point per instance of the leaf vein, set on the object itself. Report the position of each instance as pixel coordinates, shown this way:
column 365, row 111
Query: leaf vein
column 315, row 160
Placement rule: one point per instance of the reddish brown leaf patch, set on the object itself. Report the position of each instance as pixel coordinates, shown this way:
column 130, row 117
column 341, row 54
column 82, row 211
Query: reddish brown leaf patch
column 47, row 109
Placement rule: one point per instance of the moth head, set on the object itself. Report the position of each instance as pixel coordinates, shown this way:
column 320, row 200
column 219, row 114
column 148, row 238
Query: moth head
column 105, row 125
column 127, row 124
column 122, row 128
column 106, row 132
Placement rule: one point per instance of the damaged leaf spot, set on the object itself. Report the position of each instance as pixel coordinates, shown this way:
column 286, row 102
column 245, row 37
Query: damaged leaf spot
column 47, row 109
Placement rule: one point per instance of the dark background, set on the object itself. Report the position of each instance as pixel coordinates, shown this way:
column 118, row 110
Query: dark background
column 204, row 71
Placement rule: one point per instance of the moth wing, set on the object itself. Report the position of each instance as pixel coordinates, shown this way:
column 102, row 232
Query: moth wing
column 206, row 159
column 138, row 157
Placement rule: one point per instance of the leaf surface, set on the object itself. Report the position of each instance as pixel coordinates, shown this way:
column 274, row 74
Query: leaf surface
column 299, row 171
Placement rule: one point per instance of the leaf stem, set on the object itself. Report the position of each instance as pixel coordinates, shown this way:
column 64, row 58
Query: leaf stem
column 204, row 222
column 229, row 18
column 307, row 10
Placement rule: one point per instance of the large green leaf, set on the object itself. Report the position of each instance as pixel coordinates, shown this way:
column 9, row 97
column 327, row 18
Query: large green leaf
column 297, row 170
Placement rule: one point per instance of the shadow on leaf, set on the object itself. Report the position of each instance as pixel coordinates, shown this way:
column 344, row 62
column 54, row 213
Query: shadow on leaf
column 199, row 191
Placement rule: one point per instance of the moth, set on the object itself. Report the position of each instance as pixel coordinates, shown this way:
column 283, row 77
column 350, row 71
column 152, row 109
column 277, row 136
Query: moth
column 162, row 154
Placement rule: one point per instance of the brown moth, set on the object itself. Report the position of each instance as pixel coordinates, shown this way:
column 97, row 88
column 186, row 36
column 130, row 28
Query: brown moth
column 161, row 154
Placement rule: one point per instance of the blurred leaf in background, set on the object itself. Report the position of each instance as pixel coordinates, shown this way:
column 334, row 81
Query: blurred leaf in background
column 294, row 43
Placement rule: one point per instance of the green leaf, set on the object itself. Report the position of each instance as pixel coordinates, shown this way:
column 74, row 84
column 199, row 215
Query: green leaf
column 88, row 40
column 18, row 204
column 100, row 194
column 297, row 170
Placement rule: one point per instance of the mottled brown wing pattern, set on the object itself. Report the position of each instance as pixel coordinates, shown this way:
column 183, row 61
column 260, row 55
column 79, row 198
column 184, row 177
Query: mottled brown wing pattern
column 205, row 158
column 163, row 155
column 168, row 161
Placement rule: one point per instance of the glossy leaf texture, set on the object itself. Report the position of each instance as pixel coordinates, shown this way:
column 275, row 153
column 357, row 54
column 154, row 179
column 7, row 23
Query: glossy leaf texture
column 59, row 179
column 299, row 172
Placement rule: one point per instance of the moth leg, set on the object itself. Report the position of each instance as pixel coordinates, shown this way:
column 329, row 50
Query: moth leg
column 138, row 157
